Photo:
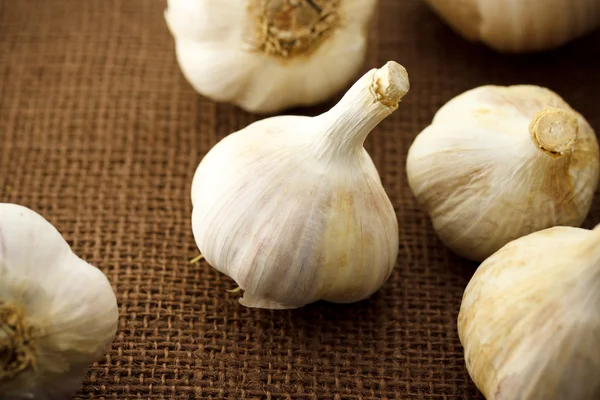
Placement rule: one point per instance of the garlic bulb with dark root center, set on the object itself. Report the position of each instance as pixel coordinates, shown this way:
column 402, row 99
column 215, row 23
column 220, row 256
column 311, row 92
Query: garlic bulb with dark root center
column 269, row 55
column 58, row 314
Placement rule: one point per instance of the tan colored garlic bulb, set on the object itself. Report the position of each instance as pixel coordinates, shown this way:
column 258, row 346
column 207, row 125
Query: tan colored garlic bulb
column 58, row 314
column 520, row 26
column 269, row 55
column 530, row 318
column 292, row 208
column 498, row 163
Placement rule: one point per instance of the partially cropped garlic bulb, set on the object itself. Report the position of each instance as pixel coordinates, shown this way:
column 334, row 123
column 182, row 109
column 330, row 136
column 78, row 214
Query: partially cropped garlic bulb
column 293, row 209
column 498, row 163
column 530, row 318
column 520, row 26
column 269, row 55
column 58, row 314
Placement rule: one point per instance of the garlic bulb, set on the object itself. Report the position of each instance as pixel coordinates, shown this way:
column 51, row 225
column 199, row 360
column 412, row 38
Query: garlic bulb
column 498, row 163
column 520, row 26
column 269, row 55
column 293, row 209
column 530, row 318
column 58, row 314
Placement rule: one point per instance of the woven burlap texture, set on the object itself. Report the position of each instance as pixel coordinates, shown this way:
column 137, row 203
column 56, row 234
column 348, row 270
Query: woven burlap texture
column 101, row 134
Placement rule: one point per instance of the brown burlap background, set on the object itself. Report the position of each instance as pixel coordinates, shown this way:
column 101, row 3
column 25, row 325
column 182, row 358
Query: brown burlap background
column 100, row 133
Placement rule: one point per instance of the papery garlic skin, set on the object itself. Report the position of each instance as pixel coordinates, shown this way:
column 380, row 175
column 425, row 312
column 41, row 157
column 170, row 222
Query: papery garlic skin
column 520, row 26
column 58, row 314
column 239, row 51
column 530, row 318
column 498, row 163
column 293, row 209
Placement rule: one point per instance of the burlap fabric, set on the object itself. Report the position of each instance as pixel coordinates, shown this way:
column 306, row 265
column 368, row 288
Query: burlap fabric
column 100, row 133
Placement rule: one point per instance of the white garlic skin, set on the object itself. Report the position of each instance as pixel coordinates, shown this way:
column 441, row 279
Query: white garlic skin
column 217, row 55
column 530, row 318
column 520, row 26
column 292, row 208
column 484, row 181
column 66, row 306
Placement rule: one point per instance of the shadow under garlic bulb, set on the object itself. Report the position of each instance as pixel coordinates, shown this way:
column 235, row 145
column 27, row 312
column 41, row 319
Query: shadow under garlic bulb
column 520, row 26
column 498, row 163
column 292, row 208
column 269, row 55
column 530, row 318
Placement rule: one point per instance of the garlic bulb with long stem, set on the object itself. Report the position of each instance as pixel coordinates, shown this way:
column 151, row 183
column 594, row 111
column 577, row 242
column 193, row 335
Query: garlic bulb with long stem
column 498, row 163
column 530, row 318
column 269, row 55
column 58, row 314
column 293, row 209
column 520, row 26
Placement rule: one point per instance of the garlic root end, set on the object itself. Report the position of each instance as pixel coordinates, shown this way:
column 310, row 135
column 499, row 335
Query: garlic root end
column 554, row 130
column 196, row 259
column 17, row 344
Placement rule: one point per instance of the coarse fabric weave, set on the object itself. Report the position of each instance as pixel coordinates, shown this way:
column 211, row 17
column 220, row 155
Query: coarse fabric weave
column 101, row 134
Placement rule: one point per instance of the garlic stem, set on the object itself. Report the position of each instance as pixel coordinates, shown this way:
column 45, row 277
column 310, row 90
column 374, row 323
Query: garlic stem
column 368, row 102
column 16, row 345
column 554, row 131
